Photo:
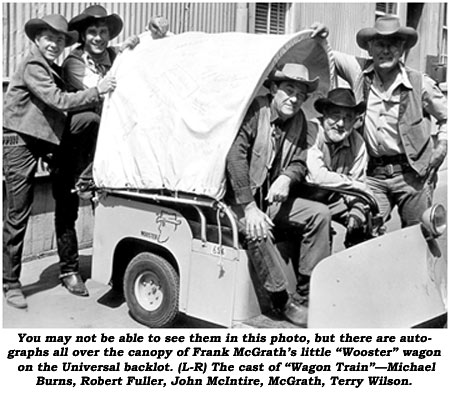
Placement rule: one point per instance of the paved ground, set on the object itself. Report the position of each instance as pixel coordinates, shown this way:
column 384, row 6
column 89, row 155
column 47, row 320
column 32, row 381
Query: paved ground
column 50, row 305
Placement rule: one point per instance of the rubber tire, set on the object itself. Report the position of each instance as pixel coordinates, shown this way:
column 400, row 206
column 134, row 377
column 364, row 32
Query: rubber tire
column 148, row 263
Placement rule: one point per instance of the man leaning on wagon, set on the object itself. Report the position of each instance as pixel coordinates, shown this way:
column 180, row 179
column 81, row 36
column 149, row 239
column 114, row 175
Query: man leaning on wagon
column 34, row 121
column 266, row 159
column 82, row 70
column 86, row 64
column 403, row 160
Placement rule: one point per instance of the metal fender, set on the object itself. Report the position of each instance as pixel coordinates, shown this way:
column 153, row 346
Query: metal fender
column 396, row 280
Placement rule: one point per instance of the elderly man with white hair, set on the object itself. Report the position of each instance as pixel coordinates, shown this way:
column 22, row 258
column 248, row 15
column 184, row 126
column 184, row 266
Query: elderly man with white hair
column 403, row 157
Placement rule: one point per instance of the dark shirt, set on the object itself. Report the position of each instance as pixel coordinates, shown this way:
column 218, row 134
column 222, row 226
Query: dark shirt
column 238, row 160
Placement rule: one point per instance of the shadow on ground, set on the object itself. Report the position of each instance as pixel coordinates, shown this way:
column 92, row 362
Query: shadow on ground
column 49, row 277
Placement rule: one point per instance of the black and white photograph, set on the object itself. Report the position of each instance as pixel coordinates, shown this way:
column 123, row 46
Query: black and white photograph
column 221, row 193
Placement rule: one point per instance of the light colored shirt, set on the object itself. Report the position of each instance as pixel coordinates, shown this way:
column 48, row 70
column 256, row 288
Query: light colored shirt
column 382, row 136
column 341, row 165
column 381, row 123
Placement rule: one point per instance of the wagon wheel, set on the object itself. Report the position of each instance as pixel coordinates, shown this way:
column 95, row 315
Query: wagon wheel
column 151, row 289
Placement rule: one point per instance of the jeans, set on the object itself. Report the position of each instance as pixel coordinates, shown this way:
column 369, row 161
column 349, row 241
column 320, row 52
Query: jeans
column 306, row 224
column 19, row 169
column 75, row 154
column 411, row 193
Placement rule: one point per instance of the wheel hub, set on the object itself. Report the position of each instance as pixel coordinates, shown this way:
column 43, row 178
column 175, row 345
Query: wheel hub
column 148, row 291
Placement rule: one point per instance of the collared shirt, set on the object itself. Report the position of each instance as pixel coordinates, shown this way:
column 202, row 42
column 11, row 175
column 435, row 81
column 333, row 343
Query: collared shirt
column 82, row 71
column 238, row 159
column 341, row 165
column 381, row 124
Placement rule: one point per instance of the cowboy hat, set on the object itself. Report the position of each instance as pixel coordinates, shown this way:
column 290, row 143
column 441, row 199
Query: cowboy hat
column 340, row 97
column 293, row 72
column 53, row 22
column 387, row 26
column 94, row 14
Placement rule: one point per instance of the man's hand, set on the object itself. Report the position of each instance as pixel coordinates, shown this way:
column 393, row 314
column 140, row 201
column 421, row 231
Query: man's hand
column 279, row 190
column 106, row 84
column 129, row 43
column 356, row 225
column 356, row 217
column 258, row 224
column 320, row 30
column 437, row 157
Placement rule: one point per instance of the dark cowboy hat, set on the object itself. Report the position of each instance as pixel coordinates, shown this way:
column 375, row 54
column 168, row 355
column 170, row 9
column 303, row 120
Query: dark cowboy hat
column 387, row 26
column 293, row 72
column 341, row 97
column 94, row 14
column 53, row 22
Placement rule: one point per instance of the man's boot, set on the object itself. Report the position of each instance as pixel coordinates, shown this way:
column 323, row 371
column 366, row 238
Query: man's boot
column 14, row 295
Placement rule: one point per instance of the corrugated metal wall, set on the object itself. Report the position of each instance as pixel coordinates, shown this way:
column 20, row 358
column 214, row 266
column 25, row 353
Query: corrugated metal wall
column 343, row 20
column 208, row 17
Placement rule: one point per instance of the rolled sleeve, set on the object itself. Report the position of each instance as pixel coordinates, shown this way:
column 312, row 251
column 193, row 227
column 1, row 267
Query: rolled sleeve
column 320, row 170
column 348, row 67
column 435, row 103
column 319, row 174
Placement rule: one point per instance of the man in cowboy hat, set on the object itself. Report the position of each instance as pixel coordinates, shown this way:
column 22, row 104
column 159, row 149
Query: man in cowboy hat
column 337, row 157
column 34, row 121
column 90, row 61
column 93, row 58
column 403, row 161
column 85, row 65
column 265, row 161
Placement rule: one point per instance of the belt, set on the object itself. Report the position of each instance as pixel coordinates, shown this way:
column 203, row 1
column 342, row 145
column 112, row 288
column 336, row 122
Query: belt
column 12, row 139
column 399, row 159
column 387, row 166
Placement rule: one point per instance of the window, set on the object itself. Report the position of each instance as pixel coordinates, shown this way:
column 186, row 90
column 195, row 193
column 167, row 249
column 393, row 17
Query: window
column 270, row 18
column 382, row 9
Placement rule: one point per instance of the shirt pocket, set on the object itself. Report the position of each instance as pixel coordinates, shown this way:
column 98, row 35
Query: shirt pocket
column 416, row 137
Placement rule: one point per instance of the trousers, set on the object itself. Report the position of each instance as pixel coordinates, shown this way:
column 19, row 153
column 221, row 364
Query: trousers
column 74, row 155
column 411, row 193
column 304, row 223
column 20, row 163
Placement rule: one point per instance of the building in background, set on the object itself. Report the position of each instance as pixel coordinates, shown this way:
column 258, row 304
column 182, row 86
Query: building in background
column 343, row 20
column 261, row 18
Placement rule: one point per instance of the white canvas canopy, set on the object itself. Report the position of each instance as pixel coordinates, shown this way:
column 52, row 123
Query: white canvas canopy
column 179, row 103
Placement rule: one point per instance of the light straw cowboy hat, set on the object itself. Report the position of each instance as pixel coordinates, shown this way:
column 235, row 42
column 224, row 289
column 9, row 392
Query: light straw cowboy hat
column 387, row 26
column 293, row 72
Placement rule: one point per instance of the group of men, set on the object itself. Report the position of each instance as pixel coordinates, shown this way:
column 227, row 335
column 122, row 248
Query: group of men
column 53, row 113
column 273, row 166
column 277, row 156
